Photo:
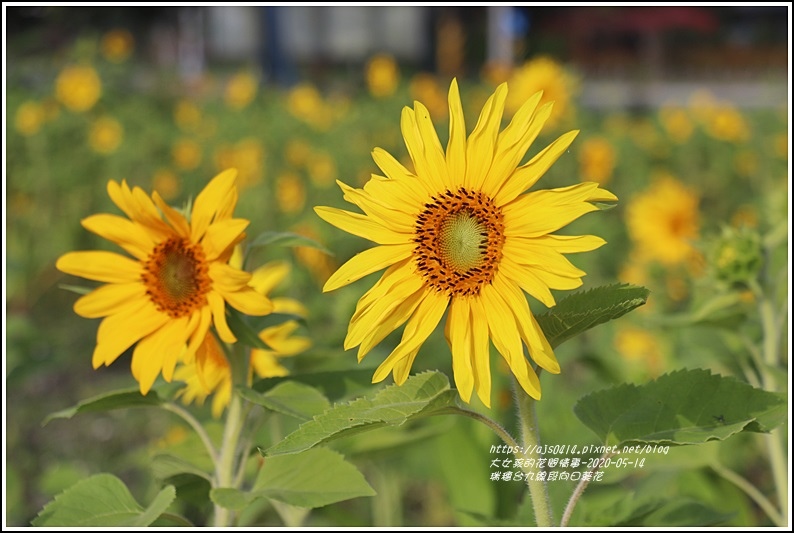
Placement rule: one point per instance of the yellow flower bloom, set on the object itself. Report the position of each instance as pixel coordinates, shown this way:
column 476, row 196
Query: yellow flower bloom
column 29, row 118
column 78, row 88
column 383, row 75
column 166, row 183
column 663, row 221
column 597, row 160
column 461, row 235
column 106, row 135
column 210, row 371
column 677, row 123
column 726, row 123
column 247, row 156
column 117, row 45
column 290, row 193
column 241, row 90
column 306, row 103
column 175, row 286
column 542, row 74
column 186, row 154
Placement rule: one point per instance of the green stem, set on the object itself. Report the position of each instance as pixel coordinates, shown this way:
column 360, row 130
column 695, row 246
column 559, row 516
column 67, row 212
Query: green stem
column 752, row 492
column 197, row 427
column 494, row 426
column 225, row 466
column 531, row 446
column 577, row 493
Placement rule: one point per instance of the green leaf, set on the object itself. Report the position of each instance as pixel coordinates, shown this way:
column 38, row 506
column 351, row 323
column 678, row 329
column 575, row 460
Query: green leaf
column 243, row 330
column 101, row 500
column 289, row 398
column 165, row 465
column 311, row 479
column 77, row 289
column 109, row 401
column 683, row 407
column 421, row 395
column 158, row 506
column 233, row 499
column 286, row 239
column 333, row 384
column 584, row 310
column 679, row 513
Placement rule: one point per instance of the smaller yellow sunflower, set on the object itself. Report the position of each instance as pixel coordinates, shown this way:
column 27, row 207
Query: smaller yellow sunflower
column 176, row 285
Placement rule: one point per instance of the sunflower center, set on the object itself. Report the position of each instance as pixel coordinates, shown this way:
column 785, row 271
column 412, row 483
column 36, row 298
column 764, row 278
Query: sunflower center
column 459, row 238
column 176, row 276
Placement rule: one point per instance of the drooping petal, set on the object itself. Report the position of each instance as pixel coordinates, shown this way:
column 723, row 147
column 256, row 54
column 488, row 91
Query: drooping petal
column 389, row 322
column 419, row 327
column 265, row 278
column 367, row 262
column 228, row 278
column 458, row 332
column 218, row 308
column 481, row 348
column 526, row 278
column 248, row 301
column 108, row 267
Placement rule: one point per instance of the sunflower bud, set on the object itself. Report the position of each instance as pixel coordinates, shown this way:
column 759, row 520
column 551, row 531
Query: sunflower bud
column 738, row 256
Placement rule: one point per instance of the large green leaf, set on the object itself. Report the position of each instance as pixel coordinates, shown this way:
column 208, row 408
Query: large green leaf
column 683, row 407
column 165, row 465
column 334, row 384
column 420, row 395
column 120, row 399
column 313, row 478
column 584, row 310
column 290, row 398
column 101, row 500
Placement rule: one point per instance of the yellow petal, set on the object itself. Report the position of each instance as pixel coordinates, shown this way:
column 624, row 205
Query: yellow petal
column 402, row 368
column 289, row 306
column 221, row 235
column 209, row 200
column 545, row 211
column 126, row 233
column 527, row 175
column 380, row 209
column 433, row 151
column 482, row 141
column 228, row 278
column 174, row 217
column 570, row 244
column 456, row 146
column 410, row 186
column 481, row 351
column 506, row 339
column 218, row 308
column 416, row 149
column 248, row 301
column 526, row 278
column 199, row 333
column 118, row 332
column 514, row 141
column 157, row 350
column 100, row 266
column 109, row 299
column 458, row 333
column 540, row 255
column 361, row 226
column 367, row 262
column 389, row 323
column 419, row 327
column 265, row 278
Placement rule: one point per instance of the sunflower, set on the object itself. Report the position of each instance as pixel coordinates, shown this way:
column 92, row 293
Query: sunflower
column 459, row 234
column 175, row 286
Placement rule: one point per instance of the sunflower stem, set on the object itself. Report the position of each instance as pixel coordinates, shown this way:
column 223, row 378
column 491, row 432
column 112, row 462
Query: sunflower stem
column 530, row 438
column 225, row 466
column 197, row 427
column 579, row 490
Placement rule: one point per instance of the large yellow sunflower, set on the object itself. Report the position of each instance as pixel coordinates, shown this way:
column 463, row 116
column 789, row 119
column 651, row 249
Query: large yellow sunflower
column 459, row 234
column 175, row 286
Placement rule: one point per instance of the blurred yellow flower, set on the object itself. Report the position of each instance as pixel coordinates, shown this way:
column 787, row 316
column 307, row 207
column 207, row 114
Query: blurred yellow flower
column 663, row 221
column 106, row 135
column 297, row 152
column 635, row 344
column 319, row 264
column 425, row 88
column 78, row 87
column 383, row 75
column 187, row 116
column 290, row 193
column 596, row 160
column 241, row 90
column 117, row 45
column 186, row 154
column 176, row 285
column 322, row 169
column 247, row 156
column 306, row 103
column 209, row 372
column 166, row 183
column 29, row 118
column 726, row 123
column 677, row 122
column 542, row 74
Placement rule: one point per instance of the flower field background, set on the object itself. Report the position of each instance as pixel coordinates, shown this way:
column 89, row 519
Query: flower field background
column 700, row 184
